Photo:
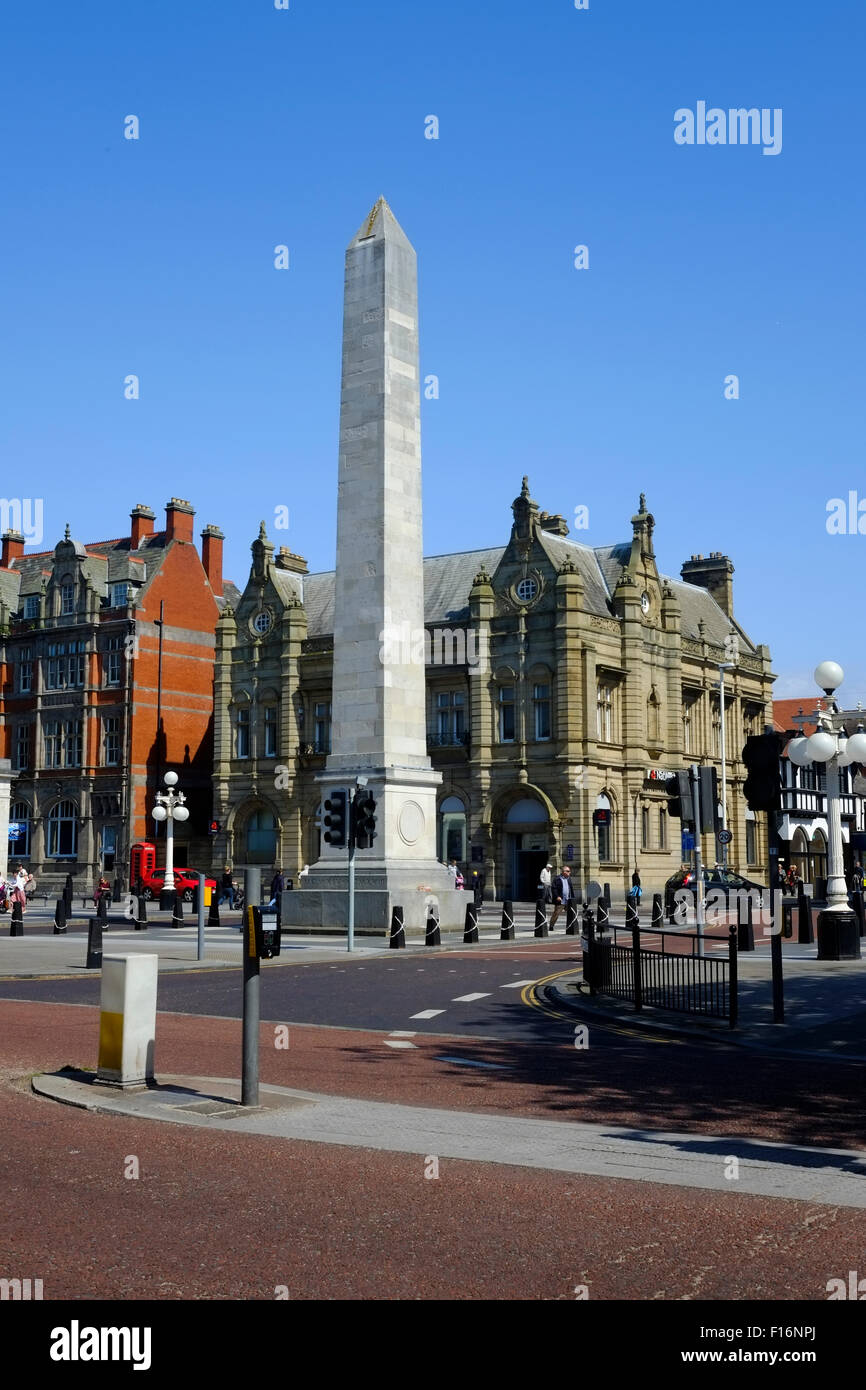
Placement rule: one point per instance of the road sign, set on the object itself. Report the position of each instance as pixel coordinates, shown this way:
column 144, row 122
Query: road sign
column 15, row 830
column 569, row 851
column 688, row 842
column 725, row 837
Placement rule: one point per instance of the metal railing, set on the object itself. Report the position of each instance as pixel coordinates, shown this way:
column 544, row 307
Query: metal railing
column 680, row 982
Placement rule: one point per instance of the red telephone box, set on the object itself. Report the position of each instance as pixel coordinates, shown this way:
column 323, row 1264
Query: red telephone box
column 142, row 861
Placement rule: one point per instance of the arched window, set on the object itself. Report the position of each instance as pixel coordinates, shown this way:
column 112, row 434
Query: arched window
column 653, row 716
column 819, row 856
column 262, row 838
column 63, row 831
column 452, row 830
column 19, row 814
column 800, row 855
column 605, row 832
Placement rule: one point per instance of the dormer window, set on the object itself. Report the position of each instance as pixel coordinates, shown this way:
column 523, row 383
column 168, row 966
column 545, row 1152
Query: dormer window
column 31, row 606
column 119, row 595
column 67, row 600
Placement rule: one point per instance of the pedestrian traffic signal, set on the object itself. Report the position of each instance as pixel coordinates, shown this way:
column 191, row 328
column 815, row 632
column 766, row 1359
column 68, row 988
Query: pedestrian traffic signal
column 334, row 819
column 213, row 827
column 763, row 785
column 679, row 789
column 364, row 819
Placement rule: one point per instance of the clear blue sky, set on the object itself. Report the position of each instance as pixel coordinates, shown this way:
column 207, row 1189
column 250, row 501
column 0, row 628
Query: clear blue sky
column 260, row 127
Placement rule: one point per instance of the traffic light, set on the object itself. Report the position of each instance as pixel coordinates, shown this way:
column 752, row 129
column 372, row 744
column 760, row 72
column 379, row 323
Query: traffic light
column 213, row 827
column 709, row 785
column 763, row 785
column 679, row 789
column 364, row 819
column 334, row 819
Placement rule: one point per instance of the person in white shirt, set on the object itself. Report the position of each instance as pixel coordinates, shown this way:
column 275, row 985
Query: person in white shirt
column 545, row 880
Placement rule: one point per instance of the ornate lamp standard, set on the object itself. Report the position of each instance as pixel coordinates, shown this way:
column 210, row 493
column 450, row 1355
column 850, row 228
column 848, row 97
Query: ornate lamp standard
column 170, row 808
column 838, row 928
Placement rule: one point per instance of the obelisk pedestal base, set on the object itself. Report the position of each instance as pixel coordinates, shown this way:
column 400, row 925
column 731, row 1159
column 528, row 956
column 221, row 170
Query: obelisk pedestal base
column 321, row 904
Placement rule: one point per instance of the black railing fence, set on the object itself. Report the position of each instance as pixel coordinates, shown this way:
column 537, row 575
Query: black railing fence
column 692, row 983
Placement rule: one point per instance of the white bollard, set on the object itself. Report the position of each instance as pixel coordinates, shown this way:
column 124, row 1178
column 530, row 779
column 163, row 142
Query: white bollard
column 127, row 1020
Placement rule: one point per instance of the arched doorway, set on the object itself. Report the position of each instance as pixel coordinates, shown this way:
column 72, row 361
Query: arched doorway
column 527, row 848
column 452, row 830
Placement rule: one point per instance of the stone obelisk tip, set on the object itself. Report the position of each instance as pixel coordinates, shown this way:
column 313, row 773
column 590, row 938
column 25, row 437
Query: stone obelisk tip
column 380, row 224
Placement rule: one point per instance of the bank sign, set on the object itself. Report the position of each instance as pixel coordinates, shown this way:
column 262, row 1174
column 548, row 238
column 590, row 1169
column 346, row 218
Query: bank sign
column 658, row 774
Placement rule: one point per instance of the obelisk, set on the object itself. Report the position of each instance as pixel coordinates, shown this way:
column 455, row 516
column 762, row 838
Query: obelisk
column 378, row 723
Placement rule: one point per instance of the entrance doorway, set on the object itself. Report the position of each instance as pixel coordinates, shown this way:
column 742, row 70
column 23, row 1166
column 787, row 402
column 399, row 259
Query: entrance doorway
column 527, row 872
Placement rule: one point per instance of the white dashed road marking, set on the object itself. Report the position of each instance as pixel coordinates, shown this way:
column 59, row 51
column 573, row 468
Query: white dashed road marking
column 469, row 998
column 517, row 984
column 428, row 1013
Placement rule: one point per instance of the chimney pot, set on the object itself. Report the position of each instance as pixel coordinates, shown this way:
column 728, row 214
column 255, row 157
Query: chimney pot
column 212, row 557
column 179, row 520
column 13, row 548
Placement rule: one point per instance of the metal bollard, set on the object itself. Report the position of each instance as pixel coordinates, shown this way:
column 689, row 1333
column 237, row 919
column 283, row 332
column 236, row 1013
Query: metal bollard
column 94, row 945
column 506, row 932
column 141, row 917
column 177, row 910
column 16, row 925
column 603, row 914
column 657, row 918
column 470, row 929
column 541, row 927
column 398, row 931
column 745, row 929
column 805, row 932
column 571, row 927
column 213, row 915
column 60, row 917
column 432, row 936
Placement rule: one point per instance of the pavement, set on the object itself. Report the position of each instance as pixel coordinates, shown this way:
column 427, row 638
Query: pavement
column 832, row 1176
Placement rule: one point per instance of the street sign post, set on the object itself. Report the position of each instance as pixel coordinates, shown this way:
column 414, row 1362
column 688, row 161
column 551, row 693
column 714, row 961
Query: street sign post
column 688, row 842
column 725, row 837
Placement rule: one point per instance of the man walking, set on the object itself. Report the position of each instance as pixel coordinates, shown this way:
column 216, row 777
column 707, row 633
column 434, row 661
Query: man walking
column 562, row 893
column 544, row 883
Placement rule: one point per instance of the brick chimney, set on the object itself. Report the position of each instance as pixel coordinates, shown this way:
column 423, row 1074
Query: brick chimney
column 715, row 574
column 178, row 520
column 142, row 524
column 212, row 557
column 13, row 548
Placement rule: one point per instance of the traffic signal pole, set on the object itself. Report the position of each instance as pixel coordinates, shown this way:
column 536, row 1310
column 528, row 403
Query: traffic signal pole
column 700, row 918
column 351, row 941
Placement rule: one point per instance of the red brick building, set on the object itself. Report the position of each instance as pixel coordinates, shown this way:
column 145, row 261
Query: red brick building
column 106, row 683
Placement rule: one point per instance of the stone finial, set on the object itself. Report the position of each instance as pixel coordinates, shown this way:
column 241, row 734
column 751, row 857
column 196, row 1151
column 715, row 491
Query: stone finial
column 66, row 533
column 263, row 534
column 568, row 567
column 702, row 630
column 482, row 577
column 642, row 504
column 524, row 491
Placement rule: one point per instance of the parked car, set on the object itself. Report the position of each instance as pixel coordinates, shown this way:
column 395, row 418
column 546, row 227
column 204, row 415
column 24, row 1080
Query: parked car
column 717, row 878
column 185, row 880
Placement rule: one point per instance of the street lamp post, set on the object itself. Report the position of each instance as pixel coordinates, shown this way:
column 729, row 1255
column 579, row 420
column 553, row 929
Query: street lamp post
column 838, row 928
column 723, row 667
column 169, row 808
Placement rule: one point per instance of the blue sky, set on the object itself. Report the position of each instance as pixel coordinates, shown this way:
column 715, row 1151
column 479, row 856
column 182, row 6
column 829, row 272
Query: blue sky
column 260, row 127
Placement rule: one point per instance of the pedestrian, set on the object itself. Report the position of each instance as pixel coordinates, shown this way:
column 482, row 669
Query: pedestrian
column 781, row 880
column 102, row 888
column 545, row 880
column 227, row 888
column 636, row 889
column 452, row 869
column 563, row 893
column 278, row 887
column 857, row 878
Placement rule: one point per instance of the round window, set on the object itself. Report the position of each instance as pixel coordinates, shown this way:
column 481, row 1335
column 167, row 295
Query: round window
column 262, row 622
column 527, row 589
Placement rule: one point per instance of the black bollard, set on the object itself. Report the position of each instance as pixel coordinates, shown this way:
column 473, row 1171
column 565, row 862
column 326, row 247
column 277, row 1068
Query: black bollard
column 177, row 910
column 805, row 933
column 857, row 904
column 632, row 920
column 102, row 909
column 657, row 919
column 541, row 927
column 470, row 926
column 16, row 925
column 94, row 945
column 506, row 932
column 60, row 917
column 67, row 894
column 606, row 896
column 141, row 918
column 213, row 914
column 432, row 936
column 571, row 927
column 602, row 914
column 398, row 932
column 745, row 929
column 194, row 903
